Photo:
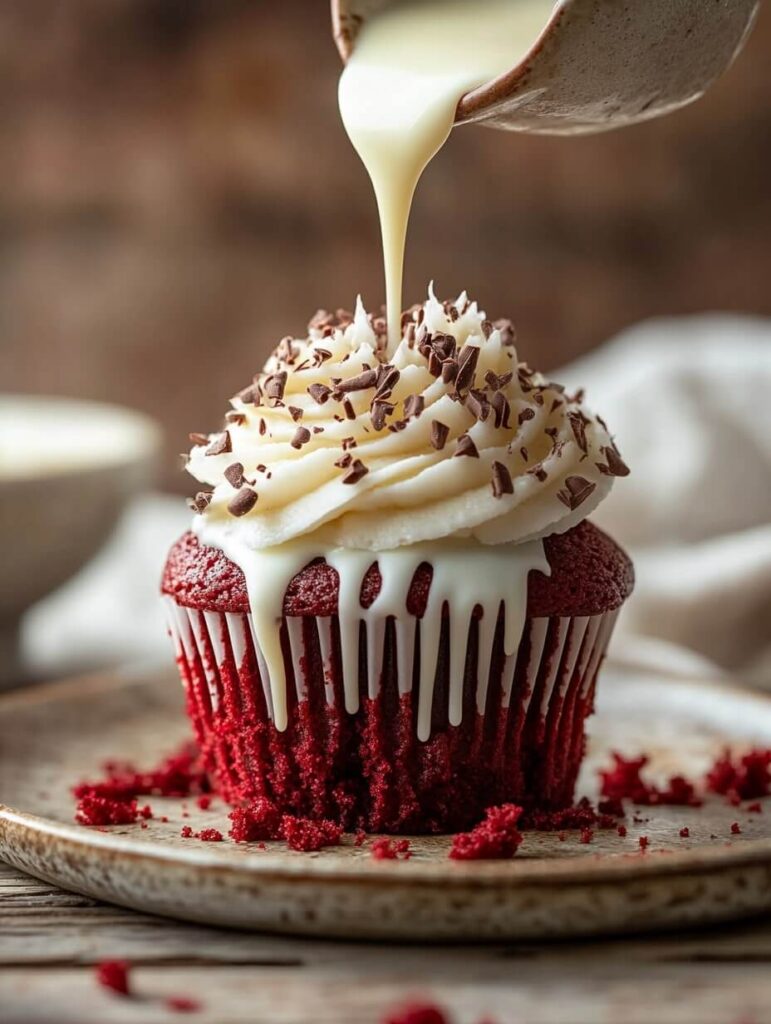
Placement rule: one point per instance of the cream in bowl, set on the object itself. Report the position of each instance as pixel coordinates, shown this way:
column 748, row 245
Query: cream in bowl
column 67, row 468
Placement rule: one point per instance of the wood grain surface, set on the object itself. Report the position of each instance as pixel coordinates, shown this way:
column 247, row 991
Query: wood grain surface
column 50, row 940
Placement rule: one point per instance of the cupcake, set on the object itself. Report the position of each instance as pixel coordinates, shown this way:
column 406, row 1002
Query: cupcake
column 391, row 610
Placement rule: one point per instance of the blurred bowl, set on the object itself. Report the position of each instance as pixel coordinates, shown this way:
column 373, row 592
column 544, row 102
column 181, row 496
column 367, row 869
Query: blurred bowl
column 67, row 469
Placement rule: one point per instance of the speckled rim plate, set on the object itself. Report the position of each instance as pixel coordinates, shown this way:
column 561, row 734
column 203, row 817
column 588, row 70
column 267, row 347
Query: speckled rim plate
column 52, row 736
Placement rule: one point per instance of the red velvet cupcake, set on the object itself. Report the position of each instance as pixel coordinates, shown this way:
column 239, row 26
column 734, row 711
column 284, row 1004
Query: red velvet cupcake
column 391, row 612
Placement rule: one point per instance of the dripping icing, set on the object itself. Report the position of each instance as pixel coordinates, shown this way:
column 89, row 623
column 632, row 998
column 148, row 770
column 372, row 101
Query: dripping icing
column 502, row 574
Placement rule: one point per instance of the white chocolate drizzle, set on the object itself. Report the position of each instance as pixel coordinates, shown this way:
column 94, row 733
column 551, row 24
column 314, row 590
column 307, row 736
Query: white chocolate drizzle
column 466, row 574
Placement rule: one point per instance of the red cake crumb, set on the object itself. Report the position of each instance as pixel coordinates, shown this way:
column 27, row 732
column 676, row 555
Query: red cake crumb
column 644, row 843
column 260, row 820
column 417, row 1013
column 210, row 835
column 621, row 831
column 100, row 810
column 113, row 799
column 114, row 975
column 204, row 802
column 586, row 836
column 755, row 808
column 495, row 838
column 685, row 833
column 580, row 815
column 735, row 830
column 679, row 793
column 308, row 836
column 187, row 832
column 624, row 782
column 360, row 838
column 182, row 1004
column 390, row 849
column 747, row 776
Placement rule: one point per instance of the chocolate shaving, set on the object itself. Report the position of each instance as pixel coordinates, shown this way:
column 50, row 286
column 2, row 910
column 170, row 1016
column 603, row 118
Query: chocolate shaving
column 320, row 355
column 198, row 439
column 237, row 419
column 361, row 382
column 295, row 412
column 524, row 454
column 220, row 445
column 301, row 436
column 494, row 382
column 555, row 405
column 477, row 405
column 348, row 409
column 439, row 435
column 380, row 411
column 466, row 447
column 538, row 472
column 578, row 423
column 525, row 415
column 344, row 461
column 285, row 350
column 356, row 472
column 347, row 443
column 413, row 406
column 243, row 502
column 200, row 502
column 274, row 386
column 501, row 483
column 434, row 364
column 501, row 408
column 387, row 380
column 575, row 492
column 319, row 393
column 615, row 464
column 263, row 426
column 467, row 364
column 234, row 474
column 449, row 370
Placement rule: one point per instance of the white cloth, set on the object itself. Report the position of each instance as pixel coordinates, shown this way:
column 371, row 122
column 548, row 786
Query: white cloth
column 689, row 401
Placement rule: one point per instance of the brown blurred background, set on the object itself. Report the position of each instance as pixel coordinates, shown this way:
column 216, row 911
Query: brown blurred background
column 177, row 192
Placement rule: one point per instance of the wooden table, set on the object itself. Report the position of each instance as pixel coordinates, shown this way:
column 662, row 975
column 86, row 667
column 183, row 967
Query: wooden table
column 50, row 940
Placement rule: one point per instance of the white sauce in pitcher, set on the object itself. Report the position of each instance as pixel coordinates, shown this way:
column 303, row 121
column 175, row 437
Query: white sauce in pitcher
column 398, row 94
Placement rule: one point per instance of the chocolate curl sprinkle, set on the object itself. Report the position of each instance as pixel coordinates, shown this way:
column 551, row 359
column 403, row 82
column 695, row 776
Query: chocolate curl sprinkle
column 243, row 502
column 575, row 492
column 501, row 483
column 356, row 472
column 466, row 447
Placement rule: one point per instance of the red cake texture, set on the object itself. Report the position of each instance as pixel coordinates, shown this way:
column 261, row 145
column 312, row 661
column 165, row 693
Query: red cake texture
column 368, row 770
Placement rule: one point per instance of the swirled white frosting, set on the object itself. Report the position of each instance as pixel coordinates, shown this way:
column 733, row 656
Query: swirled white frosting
column 553, row 460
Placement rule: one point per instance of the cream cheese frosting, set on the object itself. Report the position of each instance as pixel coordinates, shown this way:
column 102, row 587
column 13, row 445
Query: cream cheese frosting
column 450, row 437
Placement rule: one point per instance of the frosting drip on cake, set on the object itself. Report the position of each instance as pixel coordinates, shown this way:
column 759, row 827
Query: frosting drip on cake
column 449, row 451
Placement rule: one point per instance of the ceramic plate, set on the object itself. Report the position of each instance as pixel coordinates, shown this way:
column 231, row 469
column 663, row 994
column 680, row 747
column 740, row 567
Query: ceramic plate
column 56, row 735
